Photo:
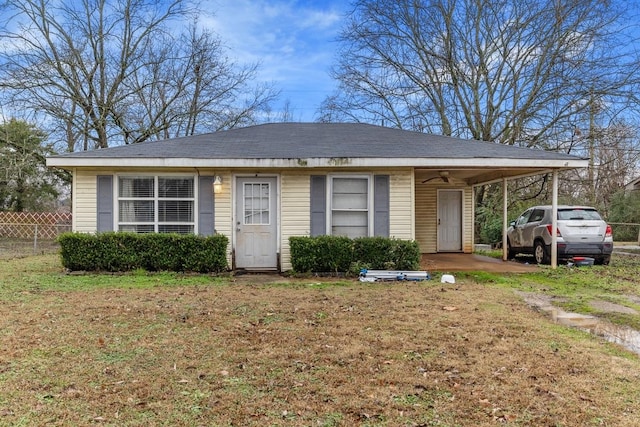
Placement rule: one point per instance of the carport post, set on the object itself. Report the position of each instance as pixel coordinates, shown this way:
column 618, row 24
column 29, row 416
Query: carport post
column 504, row 219
column 554, row 220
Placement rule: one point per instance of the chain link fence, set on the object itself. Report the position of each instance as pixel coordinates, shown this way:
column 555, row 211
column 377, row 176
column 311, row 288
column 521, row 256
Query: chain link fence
column 28, row 233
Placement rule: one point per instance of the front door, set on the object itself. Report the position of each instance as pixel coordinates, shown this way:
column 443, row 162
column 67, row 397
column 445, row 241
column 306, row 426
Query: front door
column 449, row 220
column 256, row 223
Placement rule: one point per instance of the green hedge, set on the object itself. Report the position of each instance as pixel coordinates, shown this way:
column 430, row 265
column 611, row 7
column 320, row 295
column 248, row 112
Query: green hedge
column 120, row 251
column 337, row 254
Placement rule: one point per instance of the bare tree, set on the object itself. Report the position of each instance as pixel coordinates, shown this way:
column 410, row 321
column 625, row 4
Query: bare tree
column 507, row 71
column 189, row 86
column 107, row 72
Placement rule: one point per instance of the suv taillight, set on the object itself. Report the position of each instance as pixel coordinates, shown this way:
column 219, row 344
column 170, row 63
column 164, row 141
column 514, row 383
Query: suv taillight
column 549, row 226
column 609, row 232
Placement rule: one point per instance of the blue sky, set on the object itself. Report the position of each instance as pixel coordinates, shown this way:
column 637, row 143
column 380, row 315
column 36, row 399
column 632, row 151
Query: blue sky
column 294, row 42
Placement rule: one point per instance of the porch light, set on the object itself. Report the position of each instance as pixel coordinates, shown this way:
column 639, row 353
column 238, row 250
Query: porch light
column 217, row 184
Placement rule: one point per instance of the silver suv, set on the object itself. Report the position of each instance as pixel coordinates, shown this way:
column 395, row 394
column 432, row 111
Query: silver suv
column 581, row 232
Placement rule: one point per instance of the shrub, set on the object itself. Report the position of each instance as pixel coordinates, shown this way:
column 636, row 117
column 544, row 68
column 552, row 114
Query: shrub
column 374, row 251
column 338, row 254
column 625, row 208
column 405, row 255
column 303, row 254
column 121, row 251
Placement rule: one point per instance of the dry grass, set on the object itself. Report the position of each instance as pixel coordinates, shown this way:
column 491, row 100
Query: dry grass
column 304, row 353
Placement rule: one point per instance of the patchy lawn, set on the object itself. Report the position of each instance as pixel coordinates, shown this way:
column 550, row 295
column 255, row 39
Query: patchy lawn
column 188, row 350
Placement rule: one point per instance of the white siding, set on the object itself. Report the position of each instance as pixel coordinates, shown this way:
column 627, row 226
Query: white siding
column 401, row 205
column 467, row 220
column 84, row 204
column 426, row 217
column 223, row 210
column 295, row 211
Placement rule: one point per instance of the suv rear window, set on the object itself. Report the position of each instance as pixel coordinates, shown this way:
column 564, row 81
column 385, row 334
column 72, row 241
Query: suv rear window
column 578, row 214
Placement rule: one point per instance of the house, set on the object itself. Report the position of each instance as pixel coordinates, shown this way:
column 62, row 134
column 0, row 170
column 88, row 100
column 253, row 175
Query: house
column 633, row 185
column 260, row 185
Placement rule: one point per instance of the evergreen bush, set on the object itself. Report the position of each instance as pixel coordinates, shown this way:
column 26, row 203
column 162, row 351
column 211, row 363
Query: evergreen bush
column 123, row 251
column 339, row 254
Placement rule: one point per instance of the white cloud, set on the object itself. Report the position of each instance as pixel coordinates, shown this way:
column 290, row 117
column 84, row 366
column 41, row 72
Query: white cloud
column 294, row 42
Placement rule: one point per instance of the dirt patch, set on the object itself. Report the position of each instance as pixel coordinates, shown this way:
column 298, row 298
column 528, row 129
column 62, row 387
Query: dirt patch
column 300, row 354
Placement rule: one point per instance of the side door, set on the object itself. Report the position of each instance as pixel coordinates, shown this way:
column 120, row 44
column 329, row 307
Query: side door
column 528, row 229
column 521, row 221
column 449, row 220
column 256, row 229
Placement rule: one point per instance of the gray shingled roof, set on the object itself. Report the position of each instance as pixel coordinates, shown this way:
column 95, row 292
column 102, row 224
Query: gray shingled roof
column 317, row 140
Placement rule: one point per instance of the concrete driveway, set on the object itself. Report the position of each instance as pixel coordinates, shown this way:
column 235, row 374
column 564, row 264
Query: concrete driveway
column 450, row 262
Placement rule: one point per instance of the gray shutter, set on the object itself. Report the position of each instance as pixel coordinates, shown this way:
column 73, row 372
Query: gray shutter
column 206, row 215
column 104, row 195
column 318, row 205
column 381, row 205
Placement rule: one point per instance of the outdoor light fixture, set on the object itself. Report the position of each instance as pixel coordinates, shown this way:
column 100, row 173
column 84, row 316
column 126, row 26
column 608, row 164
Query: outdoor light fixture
column 217, row 184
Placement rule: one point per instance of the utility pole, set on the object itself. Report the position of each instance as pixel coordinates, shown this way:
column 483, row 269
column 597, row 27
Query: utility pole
column 592, row 149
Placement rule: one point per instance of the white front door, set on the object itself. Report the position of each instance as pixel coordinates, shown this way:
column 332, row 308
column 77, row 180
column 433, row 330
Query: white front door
column 256, row 223
column 449, row 220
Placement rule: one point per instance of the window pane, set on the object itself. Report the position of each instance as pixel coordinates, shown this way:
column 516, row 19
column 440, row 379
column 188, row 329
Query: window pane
column 350, row 223
column 141, row 228
column 350, row 185
column 136, row 186
column 350, row 201
column 175, row 228
column 256, row 203
column 175, row 188
column 175, row 211
column 579, row 214
column 350, row 193
column 135, row 211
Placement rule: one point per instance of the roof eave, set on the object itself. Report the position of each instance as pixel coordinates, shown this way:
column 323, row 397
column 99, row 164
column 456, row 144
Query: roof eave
column 333, row 162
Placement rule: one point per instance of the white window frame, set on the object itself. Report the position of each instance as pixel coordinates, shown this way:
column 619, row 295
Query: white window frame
column 156, row 199
column 330, row 209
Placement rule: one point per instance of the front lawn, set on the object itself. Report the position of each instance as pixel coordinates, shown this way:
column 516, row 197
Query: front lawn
column 188, row 350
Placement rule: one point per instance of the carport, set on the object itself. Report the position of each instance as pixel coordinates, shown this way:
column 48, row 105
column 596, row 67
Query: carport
column 503, row 170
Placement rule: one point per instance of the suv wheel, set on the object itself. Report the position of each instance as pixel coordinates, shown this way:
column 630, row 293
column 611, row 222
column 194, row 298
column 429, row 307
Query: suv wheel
column 540, row 252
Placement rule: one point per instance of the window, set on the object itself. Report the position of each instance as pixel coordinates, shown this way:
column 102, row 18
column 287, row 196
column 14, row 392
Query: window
column 579, row 214
column 350, row 206
column 522, row 219
column 536, row 215
column 256, row 203
column 160, row 204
